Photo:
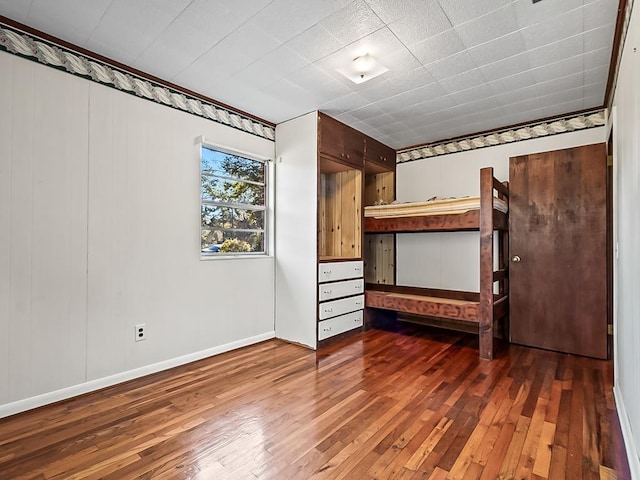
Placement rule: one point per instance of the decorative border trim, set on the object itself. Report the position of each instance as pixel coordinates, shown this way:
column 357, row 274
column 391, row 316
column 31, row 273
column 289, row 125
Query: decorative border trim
column 498, row 137
column 19, row 43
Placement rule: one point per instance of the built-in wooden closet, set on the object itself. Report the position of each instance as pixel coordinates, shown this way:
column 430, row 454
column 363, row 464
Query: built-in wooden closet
column 325, row 173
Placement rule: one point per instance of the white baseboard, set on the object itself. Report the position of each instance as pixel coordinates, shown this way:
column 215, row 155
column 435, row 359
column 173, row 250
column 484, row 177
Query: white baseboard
column 90, row 386
column 629, row 443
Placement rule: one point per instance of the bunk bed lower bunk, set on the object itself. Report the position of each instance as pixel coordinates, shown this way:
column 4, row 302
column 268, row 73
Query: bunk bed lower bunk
column 486, row 214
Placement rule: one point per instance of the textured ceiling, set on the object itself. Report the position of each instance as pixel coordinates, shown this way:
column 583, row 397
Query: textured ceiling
column 456, row 67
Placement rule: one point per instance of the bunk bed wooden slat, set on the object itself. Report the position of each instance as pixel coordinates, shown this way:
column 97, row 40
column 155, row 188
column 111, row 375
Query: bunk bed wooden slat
column 467, row 221
column 457, row 222
column 425, row 292
column 499, row 275
column 421, row 305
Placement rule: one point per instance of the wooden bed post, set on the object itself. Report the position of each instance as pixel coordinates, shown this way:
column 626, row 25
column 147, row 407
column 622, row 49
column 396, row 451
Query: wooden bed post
column 486, row 264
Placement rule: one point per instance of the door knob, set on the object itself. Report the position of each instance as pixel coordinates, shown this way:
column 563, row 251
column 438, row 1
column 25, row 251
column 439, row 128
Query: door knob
column 515, row 258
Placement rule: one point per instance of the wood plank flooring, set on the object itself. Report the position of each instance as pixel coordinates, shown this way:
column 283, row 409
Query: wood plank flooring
column 412, row 404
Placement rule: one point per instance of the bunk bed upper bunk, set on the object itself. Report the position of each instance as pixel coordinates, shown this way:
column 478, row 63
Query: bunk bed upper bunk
column 436, row 215
column 486, row 214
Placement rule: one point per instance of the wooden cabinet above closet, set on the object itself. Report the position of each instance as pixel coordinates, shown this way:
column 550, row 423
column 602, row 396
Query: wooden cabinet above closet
column 339, row 141
column 379, row 154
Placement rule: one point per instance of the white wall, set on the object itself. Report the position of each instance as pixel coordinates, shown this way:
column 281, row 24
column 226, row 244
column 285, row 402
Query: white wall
column 626, row 150
column 452, row 260
column 99, row 231
column 296, row 229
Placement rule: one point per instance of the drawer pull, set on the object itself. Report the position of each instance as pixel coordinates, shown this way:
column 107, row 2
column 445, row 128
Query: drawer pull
column 327, row 329
column 358, row 287
column 328, row 310
column 358, row 302
column 327, row 292
column 326, row 272
column 357, row 269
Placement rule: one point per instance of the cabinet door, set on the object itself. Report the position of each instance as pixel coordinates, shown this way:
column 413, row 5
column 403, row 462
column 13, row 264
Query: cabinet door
column 340, row 141
column 330, row 136
column 353, row 147
column 380, row 154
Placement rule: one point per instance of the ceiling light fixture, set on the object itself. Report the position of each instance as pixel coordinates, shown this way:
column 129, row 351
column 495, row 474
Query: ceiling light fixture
column 363, row 68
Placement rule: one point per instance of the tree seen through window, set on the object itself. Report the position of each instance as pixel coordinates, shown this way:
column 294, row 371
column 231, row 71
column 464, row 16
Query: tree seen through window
column 233, row 203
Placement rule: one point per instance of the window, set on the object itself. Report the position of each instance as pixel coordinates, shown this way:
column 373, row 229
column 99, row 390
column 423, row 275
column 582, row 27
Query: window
column 233, row 206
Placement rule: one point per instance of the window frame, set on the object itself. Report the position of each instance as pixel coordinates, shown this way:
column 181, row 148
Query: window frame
column 264, row 208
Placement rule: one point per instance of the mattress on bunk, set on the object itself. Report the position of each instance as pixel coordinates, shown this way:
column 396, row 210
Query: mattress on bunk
column 445, row 206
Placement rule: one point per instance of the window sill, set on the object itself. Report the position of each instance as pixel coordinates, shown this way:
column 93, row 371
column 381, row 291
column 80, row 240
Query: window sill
column 246, row 256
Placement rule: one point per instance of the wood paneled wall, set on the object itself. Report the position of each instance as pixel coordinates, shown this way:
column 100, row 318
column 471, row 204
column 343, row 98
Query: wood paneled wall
column 340, row 210
column 43, row 229
column 99, row 231
column 379, row 250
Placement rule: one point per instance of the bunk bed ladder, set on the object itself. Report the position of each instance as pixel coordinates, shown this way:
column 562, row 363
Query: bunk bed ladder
column 485, row 313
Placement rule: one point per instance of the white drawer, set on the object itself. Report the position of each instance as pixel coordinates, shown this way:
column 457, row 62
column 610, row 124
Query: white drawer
column 339, row 307
column 328, row 291
column 336, row 325
column 330, row 272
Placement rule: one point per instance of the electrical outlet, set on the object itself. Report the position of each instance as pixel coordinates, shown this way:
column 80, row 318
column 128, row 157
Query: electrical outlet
column 141, row 332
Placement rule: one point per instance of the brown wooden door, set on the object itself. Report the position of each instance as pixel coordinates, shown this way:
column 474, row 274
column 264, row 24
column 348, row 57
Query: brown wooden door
column 557, row 227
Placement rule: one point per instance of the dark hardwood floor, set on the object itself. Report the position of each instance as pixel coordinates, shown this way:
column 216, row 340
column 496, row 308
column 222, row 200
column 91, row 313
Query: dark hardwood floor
column 412, row 404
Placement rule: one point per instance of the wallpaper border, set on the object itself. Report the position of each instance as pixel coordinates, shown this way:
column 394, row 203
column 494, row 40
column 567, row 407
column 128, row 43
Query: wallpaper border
column 539, row 129
column 19, row 43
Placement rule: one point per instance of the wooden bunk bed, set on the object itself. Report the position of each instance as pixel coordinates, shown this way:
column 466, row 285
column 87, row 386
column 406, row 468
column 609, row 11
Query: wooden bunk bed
column 484, row 309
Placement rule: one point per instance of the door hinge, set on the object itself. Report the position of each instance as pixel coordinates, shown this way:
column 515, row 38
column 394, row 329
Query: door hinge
column 610, row 328
column 609, row 160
